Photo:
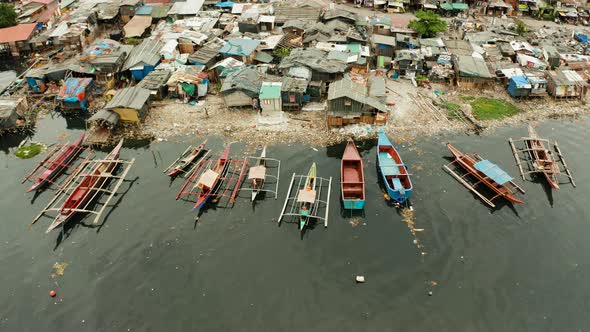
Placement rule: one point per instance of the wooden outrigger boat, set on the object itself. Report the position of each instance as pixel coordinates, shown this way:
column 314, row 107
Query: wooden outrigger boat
column 56, row 165
column 486, row 173
column 352, row 178
column 89, row 188
column 393, row 170
column 210, row 179
column 540, row 158
column 257, row 174
column 306, row 198
column 187, row 158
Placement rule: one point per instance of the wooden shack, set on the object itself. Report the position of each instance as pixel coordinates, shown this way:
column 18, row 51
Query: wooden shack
column 12, row 111
column 292, row 92
column 566, row 84
column 270, row 97
column 472, row 72
column 131, row 104
column 349, row 103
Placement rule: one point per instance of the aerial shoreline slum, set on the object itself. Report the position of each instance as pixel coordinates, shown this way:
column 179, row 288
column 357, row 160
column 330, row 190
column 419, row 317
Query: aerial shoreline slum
column 283, row 71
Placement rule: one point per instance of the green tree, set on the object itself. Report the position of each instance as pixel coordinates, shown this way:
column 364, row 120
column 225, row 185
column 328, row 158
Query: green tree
column 521, row 28
column 428, row 24
column 281, row 52
column 7, row 15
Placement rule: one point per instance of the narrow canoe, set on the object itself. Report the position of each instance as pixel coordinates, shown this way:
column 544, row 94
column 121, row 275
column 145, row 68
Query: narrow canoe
column 187, row 159
column 541, row 158
column 210, row 179
column 352, row 178
column 258, row 181
column 306, row 197
column 393, row 170
column 58, row 164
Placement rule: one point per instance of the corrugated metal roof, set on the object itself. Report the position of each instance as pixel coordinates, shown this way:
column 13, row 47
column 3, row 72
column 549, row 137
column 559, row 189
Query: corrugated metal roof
column 383, row 40
column 314, row 59
column 239, row 46
column 354, row 91
column 294, row 84
column 208, row 52
column 284, row 13
column 145, row 54
column 137, row 25
column 472, row 67
column 155, row 79
column 16, row 33
column 189, row 7
column 134, row 98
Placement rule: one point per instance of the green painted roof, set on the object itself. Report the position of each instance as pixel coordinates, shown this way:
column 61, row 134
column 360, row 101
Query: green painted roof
column 353, row 48
column 270, row 91
column 460, row 6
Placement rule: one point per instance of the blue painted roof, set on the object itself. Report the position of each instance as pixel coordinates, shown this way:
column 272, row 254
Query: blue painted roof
column 520, row 80
column 145, row 10
column 493, row 171
column 239, row 46
column 225, row 4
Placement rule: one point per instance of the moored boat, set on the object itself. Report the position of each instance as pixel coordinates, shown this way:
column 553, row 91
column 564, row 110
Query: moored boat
column 352, row 178
column 306, row 197
column 393, row 170
column 186, row 159
column 488, row 174
column 541, row 158
column 257, row 174
column 210, row 179
column 88, row 189
column 57, row 165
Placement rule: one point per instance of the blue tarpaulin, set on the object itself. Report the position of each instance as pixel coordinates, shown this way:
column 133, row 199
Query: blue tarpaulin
column 224, row 4
column 519, row 86
column 493, row 171
column 74, row 91
column 582, row 38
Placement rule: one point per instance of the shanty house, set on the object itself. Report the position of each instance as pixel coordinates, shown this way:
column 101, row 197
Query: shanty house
column 519, row 86
column 383, row 46
column 143, row 58
column 240, row 48
column 292, row 93
column 322, row 69
column 551, row 55
column 12, row 110
column 270, row 97
column 156, row 81
column 349, row 103
column 131, row 104
column 472, row 72
column 409, row 62
column 15, row 39
column 107, row 57
column 241, row 87
column 127, row 9
column 566, row 84
column 73, row 95
column 188, row 82
column 100, row 125
column 137, row 26
column 206, row 55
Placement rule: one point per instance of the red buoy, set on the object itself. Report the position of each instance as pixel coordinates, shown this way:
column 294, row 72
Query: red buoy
column 52, row 293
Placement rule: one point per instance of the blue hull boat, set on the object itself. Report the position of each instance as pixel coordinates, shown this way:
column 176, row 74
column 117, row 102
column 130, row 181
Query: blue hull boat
column 393, row 170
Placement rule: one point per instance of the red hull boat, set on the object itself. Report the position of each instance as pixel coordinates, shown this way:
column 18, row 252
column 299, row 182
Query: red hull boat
column 210, row 179
column 352, row 178
column 58, row 164
column 488, row 174
column 86, row 191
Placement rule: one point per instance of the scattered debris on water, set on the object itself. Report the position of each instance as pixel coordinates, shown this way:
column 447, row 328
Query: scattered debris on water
column 58, row 269
column 355, row 221
column 360, row 279
column 408, row 216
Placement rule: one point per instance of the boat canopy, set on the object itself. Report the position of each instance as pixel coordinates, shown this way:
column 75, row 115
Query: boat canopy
column 493, row 171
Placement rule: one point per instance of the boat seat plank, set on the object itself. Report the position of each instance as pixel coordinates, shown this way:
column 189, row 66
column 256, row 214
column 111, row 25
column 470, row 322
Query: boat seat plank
column 257, row 172
column 208, row 179
column 397, row 185
column 306, row 196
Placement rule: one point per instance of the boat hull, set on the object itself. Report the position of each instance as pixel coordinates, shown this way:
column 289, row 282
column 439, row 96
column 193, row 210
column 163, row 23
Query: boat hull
column 353, row 204
column 58, row 165
column 467, row 163
column 393, row 171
